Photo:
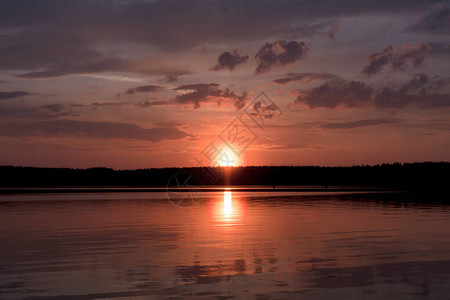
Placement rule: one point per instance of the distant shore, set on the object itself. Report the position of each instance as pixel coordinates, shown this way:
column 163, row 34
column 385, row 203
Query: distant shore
column 397, row 176
column 190, row 189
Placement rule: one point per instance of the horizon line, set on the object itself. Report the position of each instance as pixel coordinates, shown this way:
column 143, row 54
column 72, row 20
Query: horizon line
column 236, row 167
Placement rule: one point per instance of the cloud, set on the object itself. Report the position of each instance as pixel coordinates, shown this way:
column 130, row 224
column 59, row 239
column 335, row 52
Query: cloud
column 229, row 61
column 279, row 54
column 53, row 107
column 436, row 21
column 40, row 43
column 47, row 53
column 287, row 146
column 11, row 95
column 139, row 104
column 169, row 78
column 422, row 83
column 175, row 24
column 97, row 105
column 335, row 93
column 152, row 103
column 49, row 111
column 389, row 98
column 356, row 124
column 412, row 55
column 209, row 93
column 93, row 130
column 422, row 91
column 2, row 81
column 144, row 89
column 307, row 77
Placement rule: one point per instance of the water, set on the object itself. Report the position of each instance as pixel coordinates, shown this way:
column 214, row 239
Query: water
column 229, row 245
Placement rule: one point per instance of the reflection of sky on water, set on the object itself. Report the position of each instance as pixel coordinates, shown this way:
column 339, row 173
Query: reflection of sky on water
column 227, row 245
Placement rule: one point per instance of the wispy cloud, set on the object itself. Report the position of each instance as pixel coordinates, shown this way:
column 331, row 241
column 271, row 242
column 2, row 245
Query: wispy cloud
column 306, row 77
column 93, row 130
column 11, row 95
column 116, row 78
column 356, row 124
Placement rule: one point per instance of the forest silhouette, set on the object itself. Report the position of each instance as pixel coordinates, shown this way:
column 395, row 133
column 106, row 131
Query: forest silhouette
column 423, row 175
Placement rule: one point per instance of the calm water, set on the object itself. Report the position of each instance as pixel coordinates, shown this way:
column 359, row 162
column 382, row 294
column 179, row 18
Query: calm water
column 229, row 245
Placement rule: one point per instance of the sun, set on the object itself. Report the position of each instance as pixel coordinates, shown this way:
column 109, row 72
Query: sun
column 228, row 158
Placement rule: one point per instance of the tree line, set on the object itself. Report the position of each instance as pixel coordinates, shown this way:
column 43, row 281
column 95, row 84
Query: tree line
column 401, row 175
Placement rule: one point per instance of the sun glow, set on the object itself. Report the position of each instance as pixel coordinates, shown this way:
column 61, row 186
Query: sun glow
column 228, row 158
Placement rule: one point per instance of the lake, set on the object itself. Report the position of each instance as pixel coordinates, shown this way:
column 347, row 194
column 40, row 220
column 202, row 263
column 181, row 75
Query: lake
column 224, row 245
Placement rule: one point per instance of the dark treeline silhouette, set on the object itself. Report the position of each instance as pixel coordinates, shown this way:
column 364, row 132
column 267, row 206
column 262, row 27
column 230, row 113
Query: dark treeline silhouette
column 407, row 175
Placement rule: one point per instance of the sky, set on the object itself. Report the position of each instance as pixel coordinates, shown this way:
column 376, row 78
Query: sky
column 174, row 83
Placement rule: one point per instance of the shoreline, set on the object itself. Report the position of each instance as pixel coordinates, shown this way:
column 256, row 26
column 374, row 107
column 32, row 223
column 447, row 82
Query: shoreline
column 46, row 190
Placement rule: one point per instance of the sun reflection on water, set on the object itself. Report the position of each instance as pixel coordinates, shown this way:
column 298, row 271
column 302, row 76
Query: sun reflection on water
column 227, row 204
column 227, row 210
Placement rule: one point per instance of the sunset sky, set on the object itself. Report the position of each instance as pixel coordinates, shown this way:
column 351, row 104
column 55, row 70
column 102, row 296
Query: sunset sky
column 140, row 84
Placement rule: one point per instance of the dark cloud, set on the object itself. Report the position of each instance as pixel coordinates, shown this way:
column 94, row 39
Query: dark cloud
column 307, row 77
column 263, row 110
column 356, row 124
column 11, row 95
column 49, row 111
column 422, row 91
column 94, row 130
column 229, row 61
column 335, row 93
column 412, row 55
column 97, row 105
column 436, row 20
column 144, row 89
column 2, row 81
column 278, row 54
column 209, row 93
column 144, row 104
column 422, row 84
column 151, row 103
column 389, row 98
column 56, row 38
column 171, row 23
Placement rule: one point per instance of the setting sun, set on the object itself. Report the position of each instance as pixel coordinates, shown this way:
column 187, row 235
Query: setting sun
column 228, row 158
